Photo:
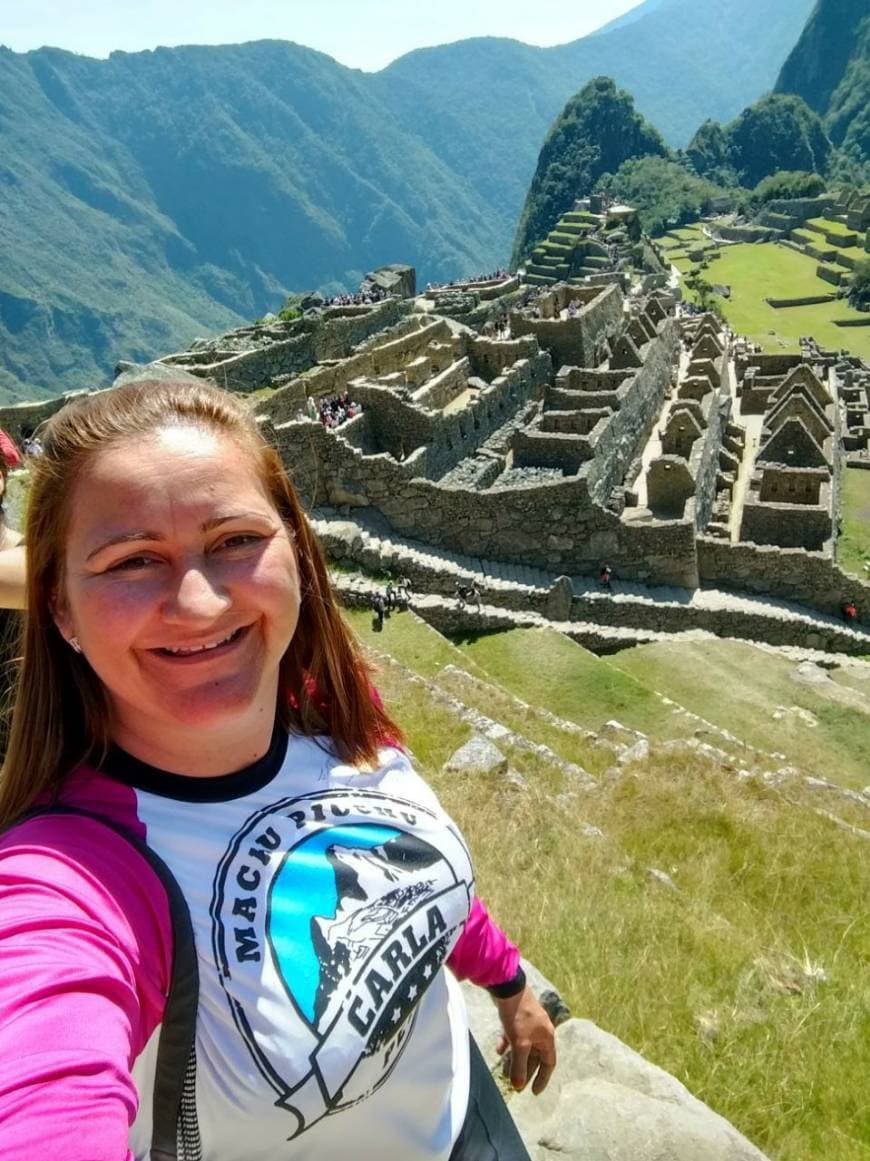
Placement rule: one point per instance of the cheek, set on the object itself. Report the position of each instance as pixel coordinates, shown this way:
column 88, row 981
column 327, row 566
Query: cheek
column 109, row 612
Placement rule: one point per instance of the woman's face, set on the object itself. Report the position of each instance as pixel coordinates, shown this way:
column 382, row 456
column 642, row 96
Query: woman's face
column 180, row 582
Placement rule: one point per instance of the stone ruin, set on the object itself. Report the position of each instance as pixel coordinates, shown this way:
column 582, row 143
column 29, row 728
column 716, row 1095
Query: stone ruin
column 522, row 437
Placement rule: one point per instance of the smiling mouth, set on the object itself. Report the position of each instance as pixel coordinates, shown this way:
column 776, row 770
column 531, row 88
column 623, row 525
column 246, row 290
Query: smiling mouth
column 207, row 649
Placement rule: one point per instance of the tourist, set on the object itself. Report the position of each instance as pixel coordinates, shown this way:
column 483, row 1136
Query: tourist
column 469, row 594
column 379, row 605
column 390, row 595
column 333, row 412
column 311, row 408
column 850, row 613
column 188, row 681
column 9, row 454
column 605, row 577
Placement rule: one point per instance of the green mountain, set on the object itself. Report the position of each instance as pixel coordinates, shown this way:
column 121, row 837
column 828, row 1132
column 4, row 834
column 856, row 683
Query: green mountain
column 779, row 132
column 830, row 68
column 153, row 196
column 595, row 133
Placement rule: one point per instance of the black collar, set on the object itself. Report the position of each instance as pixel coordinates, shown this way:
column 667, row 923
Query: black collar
column 186, row 788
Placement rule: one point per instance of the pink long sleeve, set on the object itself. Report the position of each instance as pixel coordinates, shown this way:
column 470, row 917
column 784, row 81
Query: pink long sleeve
column 483, row 953
column 85, row 940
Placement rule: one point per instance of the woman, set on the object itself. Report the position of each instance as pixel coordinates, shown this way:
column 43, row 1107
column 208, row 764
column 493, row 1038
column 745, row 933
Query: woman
column 187, row 676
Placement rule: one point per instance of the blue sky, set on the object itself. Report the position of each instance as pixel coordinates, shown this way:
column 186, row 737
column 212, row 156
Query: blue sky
column 365, row 34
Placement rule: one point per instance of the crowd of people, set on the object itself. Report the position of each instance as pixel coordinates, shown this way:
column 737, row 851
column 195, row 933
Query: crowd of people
column 333, row 412
column 457, row 284
column 360, row 298
column 395, row 597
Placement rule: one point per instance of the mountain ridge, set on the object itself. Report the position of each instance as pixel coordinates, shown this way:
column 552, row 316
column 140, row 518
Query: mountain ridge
column 151, row 196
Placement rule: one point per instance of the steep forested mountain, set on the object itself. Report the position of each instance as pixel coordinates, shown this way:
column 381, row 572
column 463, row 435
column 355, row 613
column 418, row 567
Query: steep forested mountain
column 779, row 132
column 830, row 68
column 153, row 196
column 595, row 133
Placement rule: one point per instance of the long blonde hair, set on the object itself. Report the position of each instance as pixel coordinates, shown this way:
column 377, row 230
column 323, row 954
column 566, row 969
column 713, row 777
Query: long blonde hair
column 61, row 716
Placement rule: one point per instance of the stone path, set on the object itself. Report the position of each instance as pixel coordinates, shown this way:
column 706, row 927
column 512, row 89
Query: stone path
column 633, row 611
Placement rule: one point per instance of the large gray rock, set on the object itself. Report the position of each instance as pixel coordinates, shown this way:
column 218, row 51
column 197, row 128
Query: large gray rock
column 605, row 1102
column 477, row 756
column 157, row 372
column 397, row 279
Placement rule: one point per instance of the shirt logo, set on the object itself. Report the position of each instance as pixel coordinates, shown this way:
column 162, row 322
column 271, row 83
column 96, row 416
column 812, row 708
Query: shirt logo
column 332, row 915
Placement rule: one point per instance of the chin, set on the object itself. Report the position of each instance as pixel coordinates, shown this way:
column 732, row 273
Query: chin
column 214, row 706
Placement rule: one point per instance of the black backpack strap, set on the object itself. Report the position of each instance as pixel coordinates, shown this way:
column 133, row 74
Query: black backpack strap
column 175, row 1131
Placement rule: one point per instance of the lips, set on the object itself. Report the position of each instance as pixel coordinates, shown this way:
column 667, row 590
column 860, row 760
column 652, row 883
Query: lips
column 206, row 650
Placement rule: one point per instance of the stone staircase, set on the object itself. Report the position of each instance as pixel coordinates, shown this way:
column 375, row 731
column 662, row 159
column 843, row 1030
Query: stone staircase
column 516, row 594
column 454, row 618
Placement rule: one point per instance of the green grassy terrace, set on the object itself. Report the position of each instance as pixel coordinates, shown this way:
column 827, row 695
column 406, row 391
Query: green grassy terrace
column 766, row 270
column 748, row 978
column 853, row 546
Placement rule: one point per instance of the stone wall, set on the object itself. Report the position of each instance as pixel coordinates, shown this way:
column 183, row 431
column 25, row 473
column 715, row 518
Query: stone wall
column 436, row 442
column 389, row 351
column 810, row 578
column 641, row 400
column 803, row 208
column 437, row 392
column 786, row 525
column 706, row 468
column 554, row 525
column 810, row 300
column 19, row 417
column 572, row 341
column 312, row 340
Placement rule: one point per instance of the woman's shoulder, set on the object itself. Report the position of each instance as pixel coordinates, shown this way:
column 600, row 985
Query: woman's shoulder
column 61, row 865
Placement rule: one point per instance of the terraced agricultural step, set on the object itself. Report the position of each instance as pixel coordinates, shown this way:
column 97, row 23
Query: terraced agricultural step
column 541, row 270
column 631, row 606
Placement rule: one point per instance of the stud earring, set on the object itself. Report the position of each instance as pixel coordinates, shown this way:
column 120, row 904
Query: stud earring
column 74, row 643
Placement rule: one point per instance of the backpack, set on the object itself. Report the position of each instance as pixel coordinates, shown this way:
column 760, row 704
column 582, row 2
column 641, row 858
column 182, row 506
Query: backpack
column 175, row 1128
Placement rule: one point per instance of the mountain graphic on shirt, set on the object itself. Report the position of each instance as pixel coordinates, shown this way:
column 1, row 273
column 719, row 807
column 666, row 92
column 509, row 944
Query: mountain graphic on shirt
column 376, row 891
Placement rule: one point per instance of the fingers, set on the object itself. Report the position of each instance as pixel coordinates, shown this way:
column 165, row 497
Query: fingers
column 546, row 1063
column 520, row 1064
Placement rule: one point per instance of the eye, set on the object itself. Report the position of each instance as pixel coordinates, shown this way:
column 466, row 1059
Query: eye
column 132, row 564
column 240, row 540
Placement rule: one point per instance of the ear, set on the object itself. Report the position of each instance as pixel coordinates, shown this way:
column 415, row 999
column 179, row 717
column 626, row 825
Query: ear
column 60, row 614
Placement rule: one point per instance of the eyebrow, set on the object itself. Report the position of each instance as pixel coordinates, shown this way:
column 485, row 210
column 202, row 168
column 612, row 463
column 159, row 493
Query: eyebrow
column 144, row 534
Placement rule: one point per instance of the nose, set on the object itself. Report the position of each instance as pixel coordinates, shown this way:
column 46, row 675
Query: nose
column 196, row 596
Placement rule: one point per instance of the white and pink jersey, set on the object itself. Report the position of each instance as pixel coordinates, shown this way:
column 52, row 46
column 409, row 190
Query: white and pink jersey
column 324, row 904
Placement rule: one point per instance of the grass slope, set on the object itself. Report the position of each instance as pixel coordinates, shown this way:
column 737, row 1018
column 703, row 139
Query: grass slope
column 739, row 688
column 853, row 545
column 548, row 669
column 748, row 981
column 756, row 272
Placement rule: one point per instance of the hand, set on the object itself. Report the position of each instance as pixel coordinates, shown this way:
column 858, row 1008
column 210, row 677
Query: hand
column 529, row 1033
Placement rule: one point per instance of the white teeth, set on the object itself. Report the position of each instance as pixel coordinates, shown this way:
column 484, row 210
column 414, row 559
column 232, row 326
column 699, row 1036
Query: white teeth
column 199, row 648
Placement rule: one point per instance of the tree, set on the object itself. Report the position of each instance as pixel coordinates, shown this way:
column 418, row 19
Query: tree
column 788, row 184
column 777, row 133
column 664, row 192
column 859, row 288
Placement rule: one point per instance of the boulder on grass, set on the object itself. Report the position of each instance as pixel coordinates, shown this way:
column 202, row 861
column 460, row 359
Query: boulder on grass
column 477, row 756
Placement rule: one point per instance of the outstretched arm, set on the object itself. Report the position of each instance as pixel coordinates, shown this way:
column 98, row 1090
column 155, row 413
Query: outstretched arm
column 13, row 571
column 485, row 955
